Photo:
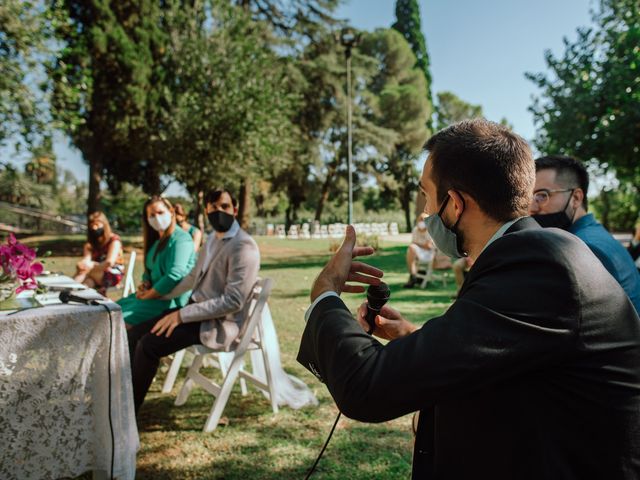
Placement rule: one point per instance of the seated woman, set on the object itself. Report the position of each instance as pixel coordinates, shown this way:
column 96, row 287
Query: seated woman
column 181, row 219
column 102, row 264
column 420, row 250
column 168, row 258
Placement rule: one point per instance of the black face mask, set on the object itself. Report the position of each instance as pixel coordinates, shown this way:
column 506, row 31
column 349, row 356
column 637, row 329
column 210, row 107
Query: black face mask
column 558, row 219
column 96, row 234
column 221, row 221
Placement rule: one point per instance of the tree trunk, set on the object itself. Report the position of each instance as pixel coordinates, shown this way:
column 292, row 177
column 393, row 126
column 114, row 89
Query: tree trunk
column 199, row 210
column 95, row 177
column 244, row 214
column 324, row 194
column 606, row 207
column 406, row 206
column 151, row 184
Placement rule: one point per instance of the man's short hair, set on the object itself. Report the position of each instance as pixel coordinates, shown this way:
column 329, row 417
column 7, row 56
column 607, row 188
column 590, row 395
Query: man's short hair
column 488, row 162
column 570, row 172
column 214, row 195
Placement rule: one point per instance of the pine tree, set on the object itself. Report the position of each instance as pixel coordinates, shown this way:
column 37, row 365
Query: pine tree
column 409, row 25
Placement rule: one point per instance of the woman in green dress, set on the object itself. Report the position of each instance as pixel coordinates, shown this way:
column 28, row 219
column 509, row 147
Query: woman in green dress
column 168, row 257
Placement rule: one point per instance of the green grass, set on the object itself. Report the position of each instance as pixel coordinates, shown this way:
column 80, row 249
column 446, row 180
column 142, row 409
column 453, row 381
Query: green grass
column 255, row 444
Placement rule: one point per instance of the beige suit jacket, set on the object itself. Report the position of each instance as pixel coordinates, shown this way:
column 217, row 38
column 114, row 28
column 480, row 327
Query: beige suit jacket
column 221, row 283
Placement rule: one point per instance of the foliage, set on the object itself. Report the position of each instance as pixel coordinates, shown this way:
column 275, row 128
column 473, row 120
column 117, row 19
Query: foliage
column 402, row 108
column 22, row 38
column 124, row 210
column 18, row 189
column 409, row 25
column 589, row 105
column 292, row 17
column 452, row 109
column 102, row 79
column 618, row 209
column 230, row 109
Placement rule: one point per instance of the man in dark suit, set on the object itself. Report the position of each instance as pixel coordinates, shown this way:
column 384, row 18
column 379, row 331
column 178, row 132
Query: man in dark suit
column 532, row 373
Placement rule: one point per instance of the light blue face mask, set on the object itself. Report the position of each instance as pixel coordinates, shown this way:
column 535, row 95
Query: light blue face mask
column 445, row 239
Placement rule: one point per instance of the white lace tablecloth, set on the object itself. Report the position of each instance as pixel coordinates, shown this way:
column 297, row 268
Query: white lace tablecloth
column 65, row 394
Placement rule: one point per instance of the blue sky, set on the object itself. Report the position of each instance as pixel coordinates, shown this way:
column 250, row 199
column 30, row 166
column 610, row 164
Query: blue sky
column 479, row 50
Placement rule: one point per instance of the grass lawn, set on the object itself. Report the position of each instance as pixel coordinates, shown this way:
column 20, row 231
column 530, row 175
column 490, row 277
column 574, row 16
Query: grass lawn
column 255, row 444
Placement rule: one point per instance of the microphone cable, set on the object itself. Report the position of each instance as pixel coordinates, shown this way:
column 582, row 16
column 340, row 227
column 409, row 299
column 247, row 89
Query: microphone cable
column 113, row 441
column 311, row 470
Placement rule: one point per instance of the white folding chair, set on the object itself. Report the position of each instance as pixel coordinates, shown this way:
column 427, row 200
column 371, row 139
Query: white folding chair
column 250, row 338
column 129, row 286
column 426, row 271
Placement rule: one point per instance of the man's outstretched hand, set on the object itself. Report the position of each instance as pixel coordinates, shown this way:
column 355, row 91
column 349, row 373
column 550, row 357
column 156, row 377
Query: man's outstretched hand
column 342, row 269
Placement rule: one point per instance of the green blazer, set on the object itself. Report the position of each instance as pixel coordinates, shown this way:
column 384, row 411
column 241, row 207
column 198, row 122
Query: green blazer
column 164, row 271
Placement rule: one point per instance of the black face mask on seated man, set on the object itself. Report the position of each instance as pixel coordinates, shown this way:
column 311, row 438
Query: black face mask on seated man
column 220, row 221
column 559, row 219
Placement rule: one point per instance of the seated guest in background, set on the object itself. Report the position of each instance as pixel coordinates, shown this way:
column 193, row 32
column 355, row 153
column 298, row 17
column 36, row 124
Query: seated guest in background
column 102, row 264
column 168, row 258
column 560, row 200
column 421, row 250
column 181, row 219
column 634, row 246
column 221, row 283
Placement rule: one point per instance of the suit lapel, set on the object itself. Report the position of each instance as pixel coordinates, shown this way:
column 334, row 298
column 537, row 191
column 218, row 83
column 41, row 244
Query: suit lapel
column 205, row 268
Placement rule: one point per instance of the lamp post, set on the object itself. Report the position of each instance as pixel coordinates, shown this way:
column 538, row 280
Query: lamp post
column 349, row 38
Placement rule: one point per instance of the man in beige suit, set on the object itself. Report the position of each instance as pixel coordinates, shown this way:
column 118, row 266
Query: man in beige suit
column 221, row 283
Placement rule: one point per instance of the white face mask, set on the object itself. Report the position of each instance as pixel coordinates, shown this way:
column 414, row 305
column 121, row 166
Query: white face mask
column 160, row 222
column 421, row 225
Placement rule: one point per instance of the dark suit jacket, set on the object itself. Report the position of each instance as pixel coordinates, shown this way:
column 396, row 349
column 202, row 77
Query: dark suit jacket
column 533, row 373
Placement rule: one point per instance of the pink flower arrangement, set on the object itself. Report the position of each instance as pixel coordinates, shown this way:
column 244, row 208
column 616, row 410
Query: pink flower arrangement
column 17, row 264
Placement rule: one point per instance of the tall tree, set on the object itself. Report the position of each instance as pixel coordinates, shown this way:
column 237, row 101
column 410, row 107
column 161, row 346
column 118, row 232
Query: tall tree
column 291, row 17
column 452, row 109
column 409, row 25
column 22, row 36
column 224, row 121
column 101, row 77
column 403, row 109
column 589, row 105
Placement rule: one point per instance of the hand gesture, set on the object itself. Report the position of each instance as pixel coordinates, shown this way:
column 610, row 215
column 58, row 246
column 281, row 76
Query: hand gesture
column 389, row 324
column 341, row 269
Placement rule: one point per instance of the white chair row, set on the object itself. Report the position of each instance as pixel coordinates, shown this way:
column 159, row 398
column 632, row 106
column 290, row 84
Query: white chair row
column 333, row 230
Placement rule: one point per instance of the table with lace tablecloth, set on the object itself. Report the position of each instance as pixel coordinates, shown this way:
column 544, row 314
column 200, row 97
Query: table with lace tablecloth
column 66, row 401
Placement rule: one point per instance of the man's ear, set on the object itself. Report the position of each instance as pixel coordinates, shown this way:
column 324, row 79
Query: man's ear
column 235, row 211
column 458, row 201
column 577, row 197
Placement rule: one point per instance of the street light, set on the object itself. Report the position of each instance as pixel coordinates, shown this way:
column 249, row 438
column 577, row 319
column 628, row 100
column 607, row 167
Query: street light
column 349, row 38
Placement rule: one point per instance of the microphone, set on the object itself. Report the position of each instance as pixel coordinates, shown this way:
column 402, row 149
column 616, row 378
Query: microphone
column 66, row 296
column 377, row 296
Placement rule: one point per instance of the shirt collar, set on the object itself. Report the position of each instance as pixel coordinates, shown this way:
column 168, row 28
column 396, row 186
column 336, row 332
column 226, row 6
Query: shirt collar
column 500, row 232
column 232, row 232
column 584, row 221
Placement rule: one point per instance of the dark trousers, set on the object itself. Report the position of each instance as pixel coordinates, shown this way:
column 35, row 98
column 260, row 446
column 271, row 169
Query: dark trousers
column 146, row 349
